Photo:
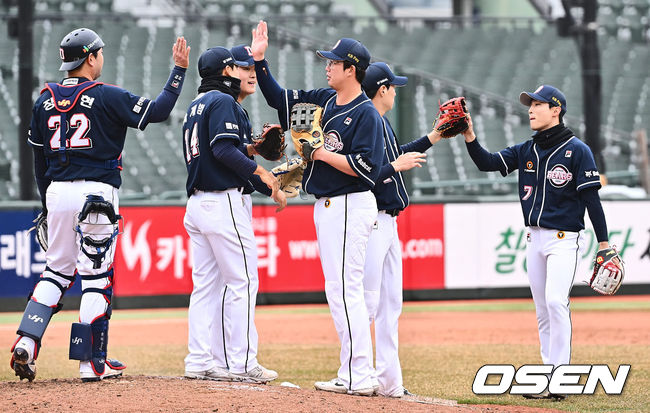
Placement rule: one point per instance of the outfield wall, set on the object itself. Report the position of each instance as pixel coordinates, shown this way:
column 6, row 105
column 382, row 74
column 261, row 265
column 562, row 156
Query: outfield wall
column 460, row 250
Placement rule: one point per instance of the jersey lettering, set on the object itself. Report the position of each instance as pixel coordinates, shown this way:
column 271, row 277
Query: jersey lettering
column 79, row 138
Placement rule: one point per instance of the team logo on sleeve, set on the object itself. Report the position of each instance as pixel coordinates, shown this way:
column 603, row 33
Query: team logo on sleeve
column 559, row 176
column 333, row 141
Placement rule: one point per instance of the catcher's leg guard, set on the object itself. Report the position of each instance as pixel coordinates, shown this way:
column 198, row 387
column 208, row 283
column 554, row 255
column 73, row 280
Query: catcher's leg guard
column 35, row 320
column 81, row 337
column 98, row 226
column 30, row 331
column 96, row 308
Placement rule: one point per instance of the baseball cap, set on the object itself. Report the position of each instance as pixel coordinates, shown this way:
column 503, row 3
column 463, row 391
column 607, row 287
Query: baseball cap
column 349, row 50
column 243, row 53
column 379, row 74
column 213, row 60
column 545, row 93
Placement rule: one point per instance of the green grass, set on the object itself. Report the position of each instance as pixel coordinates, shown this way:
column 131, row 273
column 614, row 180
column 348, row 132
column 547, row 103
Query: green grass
column 442, row 371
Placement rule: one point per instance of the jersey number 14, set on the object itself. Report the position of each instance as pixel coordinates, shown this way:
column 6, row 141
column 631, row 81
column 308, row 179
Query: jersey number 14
column 191, row 143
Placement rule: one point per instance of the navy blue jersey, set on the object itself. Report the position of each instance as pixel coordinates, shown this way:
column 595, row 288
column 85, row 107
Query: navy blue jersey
column 550, row 181
column 391, row 191
column 213, row 116
column 96, row 128
column 353, row 130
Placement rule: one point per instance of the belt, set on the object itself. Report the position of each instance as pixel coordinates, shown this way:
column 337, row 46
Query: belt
column 391, row 212
column 239, row 189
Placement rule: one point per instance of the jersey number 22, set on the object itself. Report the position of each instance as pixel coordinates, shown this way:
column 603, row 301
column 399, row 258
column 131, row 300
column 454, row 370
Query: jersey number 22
column 79, row 139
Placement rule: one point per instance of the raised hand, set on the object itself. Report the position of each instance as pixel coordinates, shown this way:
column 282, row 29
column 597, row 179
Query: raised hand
column 181, row 52
column 260, row 41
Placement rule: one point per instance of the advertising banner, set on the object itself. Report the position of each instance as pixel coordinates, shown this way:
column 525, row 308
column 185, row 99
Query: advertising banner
column 154, row 254
column 486, row 244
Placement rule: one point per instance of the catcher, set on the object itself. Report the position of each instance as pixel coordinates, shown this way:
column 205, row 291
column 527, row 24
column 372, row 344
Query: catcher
column 558, row 180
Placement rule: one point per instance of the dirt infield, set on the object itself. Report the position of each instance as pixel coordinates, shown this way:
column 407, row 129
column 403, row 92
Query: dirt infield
column 172, row 394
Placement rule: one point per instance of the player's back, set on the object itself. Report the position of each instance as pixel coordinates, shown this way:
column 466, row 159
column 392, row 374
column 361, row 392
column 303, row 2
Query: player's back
column 96, row 117
column 210, row 117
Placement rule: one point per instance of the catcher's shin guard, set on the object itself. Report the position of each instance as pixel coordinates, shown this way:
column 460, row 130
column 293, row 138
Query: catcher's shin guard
column 88, row 342
column 35, row 320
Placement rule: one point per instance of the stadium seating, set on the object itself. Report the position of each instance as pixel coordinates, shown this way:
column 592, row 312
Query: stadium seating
column 488, row 63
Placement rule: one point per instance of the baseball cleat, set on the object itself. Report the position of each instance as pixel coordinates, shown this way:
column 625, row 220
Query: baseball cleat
column 259, row 375
column 375, row 385
column 545, row 395
column 216, row 374
column 336, row 386
column 112, row 368
column 21, row 364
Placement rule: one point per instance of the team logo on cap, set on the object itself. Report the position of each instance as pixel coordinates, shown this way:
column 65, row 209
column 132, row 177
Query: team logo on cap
column 559, row 176
column 353, row 57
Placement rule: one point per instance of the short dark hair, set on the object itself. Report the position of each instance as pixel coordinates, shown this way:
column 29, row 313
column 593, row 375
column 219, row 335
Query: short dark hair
column 371, row 93
column 360, row 74
column 230, row 65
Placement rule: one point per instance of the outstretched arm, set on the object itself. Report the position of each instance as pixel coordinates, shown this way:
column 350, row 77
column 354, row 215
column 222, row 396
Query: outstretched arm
column 484, row 160
column 162, row 106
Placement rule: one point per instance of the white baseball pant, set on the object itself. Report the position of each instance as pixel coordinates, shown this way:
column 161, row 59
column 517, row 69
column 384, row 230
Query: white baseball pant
column 343, row 225
column 552, row 262
column 224, row 253
column 382, row 282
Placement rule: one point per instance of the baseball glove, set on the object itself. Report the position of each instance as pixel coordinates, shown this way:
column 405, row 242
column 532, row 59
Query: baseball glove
column 452, row 117
column 290, row 176
column 608, row 272
column 270, row 143
column 40, row 228
column 306, row 131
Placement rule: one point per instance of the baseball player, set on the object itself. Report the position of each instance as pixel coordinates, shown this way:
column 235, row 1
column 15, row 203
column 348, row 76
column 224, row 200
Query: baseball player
column 221, row 322
column 77, row 132
column 557, row 180
column 215, row 132
column 382, row 279
column 341, row 177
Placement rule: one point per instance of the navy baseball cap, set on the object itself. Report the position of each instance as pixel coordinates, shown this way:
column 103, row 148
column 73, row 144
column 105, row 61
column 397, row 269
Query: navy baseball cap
column 545, row 93
column 379, row 74
column 213, row 61
column 243, row 53
column 349, row 50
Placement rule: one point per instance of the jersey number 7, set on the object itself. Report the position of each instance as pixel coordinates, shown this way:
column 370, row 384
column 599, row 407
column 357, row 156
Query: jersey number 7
column 79, row 138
